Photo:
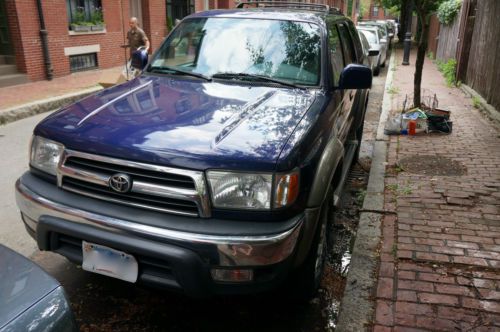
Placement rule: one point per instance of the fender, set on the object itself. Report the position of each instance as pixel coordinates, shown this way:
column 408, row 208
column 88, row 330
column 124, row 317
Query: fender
column 332, row 154
column 327, row 165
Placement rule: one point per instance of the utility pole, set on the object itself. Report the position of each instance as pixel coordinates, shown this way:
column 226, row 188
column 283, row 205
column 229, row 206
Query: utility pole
column 407, row 42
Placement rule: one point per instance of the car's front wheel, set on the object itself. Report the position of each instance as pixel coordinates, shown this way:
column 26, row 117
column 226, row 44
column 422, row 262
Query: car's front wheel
column 376, row 71
column 308, row 277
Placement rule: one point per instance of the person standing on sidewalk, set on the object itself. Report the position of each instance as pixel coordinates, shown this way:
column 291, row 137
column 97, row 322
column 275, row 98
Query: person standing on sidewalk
column 136, row 36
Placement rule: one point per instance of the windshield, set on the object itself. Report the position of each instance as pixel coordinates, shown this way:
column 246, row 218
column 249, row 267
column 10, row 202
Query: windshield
column 370, row 36
column 284, row 50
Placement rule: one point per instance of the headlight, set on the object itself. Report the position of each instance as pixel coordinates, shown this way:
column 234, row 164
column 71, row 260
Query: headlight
column 45, row 154
column 252, row 191
column 240, row 190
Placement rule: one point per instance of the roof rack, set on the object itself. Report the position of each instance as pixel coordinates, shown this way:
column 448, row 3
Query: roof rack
column 284, row 4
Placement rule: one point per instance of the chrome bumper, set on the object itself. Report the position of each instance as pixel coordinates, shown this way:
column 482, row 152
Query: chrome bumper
column 232, row 250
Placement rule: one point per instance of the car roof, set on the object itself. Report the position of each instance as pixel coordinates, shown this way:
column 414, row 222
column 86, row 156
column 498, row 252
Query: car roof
column 365, row 27
column 270, row 13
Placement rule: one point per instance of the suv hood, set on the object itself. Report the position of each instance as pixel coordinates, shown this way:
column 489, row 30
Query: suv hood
column 182, row 122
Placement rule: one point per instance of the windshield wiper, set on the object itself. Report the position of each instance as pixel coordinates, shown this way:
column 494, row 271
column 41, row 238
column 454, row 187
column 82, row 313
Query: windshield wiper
column 255, row 77
column 163, row 69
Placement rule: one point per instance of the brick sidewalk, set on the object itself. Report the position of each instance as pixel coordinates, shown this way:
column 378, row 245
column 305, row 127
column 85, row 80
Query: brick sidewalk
column 24, row 93
column 440, row 254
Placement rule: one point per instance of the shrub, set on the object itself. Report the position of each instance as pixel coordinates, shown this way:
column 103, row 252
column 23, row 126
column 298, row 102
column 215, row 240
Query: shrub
column 476, row 102
column 448, row 10
column 449, row 70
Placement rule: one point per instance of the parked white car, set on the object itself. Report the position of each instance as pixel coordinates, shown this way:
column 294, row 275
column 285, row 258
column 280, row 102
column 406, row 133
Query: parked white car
column 377, row 42
column 371, row 55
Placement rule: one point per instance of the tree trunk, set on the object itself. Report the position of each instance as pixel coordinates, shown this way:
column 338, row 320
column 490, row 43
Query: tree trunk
column 419, row 63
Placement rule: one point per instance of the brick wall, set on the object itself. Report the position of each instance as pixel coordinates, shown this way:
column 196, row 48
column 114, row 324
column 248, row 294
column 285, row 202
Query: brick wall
column 154, row 15
column 25, row 31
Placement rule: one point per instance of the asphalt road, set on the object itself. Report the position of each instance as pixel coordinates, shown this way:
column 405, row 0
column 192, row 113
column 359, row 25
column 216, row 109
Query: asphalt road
column 105, row 304
column 14, row 142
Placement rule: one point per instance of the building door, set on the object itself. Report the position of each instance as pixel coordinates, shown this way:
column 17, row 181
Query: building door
column 136, row 10
column 5, row 43
column 178, row 9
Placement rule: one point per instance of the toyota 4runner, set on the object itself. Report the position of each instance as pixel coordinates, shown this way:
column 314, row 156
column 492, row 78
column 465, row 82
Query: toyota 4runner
column 217, row 169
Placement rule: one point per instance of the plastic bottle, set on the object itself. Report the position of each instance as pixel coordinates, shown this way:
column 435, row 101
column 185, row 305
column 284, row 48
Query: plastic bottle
column 412, row 127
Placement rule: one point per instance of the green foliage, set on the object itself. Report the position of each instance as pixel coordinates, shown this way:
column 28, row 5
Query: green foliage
column 448, row 10
column 392, row 90
column 476, row 102
column 349, row 8
column 360, row 197
column 363, row 9
column 96, row 16
column 79, row 16
column 449, row 70
column 170, row 25
column 430, row 55
column 397, row 190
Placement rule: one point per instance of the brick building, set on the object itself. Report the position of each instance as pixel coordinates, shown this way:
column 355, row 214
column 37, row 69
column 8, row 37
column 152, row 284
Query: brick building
column 84, row 34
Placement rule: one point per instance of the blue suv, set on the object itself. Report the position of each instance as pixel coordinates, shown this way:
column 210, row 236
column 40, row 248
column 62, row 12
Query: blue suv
column 217, row 169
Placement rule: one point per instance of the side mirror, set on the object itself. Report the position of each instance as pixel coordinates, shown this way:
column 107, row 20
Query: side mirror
column 383, row 41
column 355, row 77
column 373, row 52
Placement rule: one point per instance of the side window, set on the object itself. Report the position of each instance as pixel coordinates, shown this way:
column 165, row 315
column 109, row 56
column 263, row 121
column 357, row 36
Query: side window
column 349, row 55
column 335, row 48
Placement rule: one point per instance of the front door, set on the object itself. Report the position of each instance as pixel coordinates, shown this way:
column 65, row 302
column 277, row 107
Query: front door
column 5, row 42
column 178, row 9
column 135, row 10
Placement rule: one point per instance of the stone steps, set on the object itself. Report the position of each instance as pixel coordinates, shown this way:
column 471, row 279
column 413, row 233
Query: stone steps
column 13, row 79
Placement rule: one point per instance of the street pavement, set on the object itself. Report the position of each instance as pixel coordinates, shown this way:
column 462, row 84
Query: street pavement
column 440, row 254
column 14, row 140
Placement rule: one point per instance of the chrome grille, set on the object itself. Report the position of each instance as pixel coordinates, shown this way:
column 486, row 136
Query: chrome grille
column 154, row 187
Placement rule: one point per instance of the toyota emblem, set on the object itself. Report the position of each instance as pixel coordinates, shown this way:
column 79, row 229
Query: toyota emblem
column 120, row 182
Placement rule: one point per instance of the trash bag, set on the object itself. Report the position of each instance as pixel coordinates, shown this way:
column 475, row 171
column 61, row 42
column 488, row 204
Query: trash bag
column 393, row 126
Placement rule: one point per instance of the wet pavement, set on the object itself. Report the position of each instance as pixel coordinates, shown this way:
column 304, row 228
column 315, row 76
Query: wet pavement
column 105, row 304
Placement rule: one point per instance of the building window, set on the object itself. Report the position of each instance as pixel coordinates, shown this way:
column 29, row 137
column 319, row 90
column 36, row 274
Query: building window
column 84, row 12
column 82, row 62
column 375, row 11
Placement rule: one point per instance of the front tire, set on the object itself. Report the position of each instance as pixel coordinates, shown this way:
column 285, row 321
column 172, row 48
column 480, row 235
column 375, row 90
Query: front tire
column 308, row 277
column 377, row 68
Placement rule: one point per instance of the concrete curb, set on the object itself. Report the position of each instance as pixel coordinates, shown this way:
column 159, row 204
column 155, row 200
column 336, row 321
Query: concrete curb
column 40, row 106
column 486, row 108
column 358, row 306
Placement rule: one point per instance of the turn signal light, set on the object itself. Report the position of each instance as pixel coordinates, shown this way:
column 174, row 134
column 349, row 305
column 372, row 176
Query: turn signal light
column 287, row 189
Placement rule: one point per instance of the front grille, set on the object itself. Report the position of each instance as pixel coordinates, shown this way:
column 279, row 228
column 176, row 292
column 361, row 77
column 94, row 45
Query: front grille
column 153, row 187
column 166, row 179
column 150, row 202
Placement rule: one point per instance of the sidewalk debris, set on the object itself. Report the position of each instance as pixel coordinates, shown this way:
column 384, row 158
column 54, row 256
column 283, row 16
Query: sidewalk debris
column 423, row 119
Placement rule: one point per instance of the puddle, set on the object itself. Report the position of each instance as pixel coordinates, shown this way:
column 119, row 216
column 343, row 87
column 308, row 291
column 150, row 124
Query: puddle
column 343, row 235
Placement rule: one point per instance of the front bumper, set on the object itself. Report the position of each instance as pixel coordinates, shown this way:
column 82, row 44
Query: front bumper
column 167, row 257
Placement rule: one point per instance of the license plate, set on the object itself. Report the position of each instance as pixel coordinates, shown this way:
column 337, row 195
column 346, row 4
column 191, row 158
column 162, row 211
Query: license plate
column 109, row 262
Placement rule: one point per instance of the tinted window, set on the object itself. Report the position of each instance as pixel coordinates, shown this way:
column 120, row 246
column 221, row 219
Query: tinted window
column 285, row 50
column 349, row 55
column 335, row 52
